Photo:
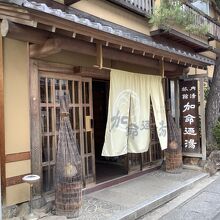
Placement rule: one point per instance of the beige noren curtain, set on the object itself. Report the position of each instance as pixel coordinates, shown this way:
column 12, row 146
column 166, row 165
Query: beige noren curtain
column 128, row 124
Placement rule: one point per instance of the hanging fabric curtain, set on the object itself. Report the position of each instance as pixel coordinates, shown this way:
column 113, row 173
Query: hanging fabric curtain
column 68, row 189
column 158, row 103
column 128, row 124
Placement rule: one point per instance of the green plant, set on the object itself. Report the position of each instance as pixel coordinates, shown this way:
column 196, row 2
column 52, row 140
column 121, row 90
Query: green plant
column 171, row 13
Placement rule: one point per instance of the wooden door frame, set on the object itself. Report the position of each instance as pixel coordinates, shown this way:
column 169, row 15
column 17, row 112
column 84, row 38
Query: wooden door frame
column 37, row 66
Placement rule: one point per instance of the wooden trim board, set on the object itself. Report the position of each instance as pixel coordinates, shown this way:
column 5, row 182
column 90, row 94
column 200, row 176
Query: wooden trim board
column 11, row 181
column 17, row 157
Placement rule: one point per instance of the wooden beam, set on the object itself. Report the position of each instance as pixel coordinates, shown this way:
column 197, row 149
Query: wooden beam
column 50, row 47
column 123, row 56
column 15, row 180
column 17, row 157
column 78, row 46
column 92, row 72
column 2, row 126
column 55, row 45
column 23, row 33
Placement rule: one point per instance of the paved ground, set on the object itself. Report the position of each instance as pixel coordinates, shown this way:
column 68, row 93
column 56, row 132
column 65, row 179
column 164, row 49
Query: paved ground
column 204, row 205
column 133, row 198
column 110, row 202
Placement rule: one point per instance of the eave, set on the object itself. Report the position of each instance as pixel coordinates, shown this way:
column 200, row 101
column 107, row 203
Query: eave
column 58, row 25
column 183, row 39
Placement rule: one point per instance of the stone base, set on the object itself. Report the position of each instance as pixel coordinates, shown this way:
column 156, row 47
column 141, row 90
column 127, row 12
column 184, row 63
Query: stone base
column 23, row 209
column 191, row 160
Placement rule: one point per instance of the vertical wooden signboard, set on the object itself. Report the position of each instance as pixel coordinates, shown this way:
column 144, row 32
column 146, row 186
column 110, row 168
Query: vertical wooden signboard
column 190, row 116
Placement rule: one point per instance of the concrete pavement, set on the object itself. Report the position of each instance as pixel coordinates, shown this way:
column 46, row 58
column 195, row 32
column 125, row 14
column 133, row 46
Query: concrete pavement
column 205, row 205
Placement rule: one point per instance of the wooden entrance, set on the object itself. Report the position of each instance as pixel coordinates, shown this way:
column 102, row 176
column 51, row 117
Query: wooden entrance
column 46, row 81
column 115, row 167
column 50, row 84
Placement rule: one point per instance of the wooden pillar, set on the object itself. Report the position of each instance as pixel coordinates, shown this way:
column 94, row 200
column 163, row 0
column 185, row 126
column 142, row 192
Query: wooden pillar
column 35, row 124
column 99, row 55
column 2, row 125
column 177, row 103
column 162, row 72
column 202, row 112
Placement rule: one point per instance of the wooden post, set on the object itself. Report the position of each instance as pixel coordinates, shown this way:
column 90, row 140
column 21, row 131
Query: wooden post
column 177, row 102
column 35, row 123
column 162, row 69
column 202, row 111
column 99, row 55
column 162, row 72
column 2, row 125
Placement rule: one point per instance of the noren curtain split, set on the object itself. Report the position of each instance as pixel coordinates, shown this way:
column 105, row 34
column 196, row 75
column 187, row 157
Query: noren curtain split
column 128, row 124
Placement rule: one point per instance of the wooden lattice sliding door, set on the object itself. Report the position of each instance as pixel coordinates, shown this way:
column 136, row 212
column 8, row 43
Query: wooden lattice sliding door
column 88, row 154
column 154, row 153
column 81, row 115
column 137, row 162
column 134, row 162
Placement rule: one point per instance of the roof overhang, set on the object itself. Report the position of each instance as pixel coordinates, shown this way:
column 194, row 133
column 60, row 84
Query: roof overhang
column 179, row 37
column 40, row 16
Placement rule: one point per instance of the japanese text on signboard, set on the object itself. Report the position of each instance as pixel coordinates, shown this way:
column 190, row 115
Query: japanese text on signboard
column 189, row 116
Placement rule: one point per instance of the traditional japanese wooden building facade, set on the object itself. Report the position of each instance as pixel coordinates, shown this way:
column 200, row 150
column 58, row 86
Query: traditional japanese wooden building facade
column 47, row 46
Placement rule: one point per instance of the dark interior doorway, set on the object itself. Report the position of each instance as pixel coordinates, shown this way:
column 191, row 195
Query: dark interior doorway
column 106, row 168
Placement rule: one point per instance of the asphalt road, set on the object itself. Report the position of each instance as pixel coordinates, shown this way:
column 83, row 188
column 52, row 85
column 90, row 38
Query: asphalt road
column 205, row 205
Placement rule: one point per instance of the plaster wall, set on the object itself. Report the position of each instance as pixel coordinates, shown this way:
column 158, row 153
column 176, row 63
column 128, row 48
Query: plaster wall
column 17, row 194
column 114, row 13
column 18, row 168
column 17, row 121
